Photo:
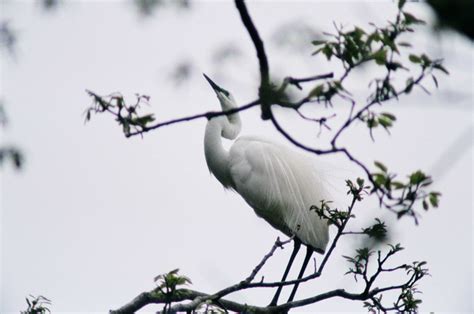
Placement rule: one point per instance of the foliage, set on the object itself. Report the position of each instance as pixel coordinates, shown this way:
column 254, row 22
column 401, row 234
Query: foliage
column 168, row 284
column 400, row 197
column 126, row 115
column 37, row 305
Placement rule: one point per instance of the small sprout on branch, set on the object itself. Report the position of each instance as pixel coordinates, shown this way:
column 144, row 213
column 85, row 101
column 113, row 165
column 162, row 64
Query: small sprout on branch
column 359, row 263
column 373, row 120
column 358, row 189
column 168, row 284
column 334, row 216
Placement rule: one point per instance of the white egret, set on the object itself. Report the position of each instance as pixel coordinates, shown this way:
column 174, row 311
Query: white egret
column 277, row 182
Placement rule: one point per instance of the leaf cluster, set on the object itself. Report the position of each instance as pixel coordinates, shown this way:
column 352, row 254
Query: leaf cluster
column 167, row 286
column 325, row 92
column 37, row 305
column 377, row 231
column 358, row 46
column 359, row 262
column 373, row 120
column 333, row 216
column 406, row 300
column 401, row 196
column 381, row 46
column 167, row 283
column 358, row 189
column 125, row 114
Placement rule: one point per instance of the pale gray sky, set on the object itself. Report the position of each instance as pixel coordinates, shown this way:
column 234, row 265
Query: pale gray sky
column 93, row 217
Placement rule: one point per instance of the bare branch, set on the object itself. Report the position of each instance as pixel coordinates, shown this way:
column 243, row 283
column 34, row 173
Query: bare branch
column 298, row 81
column 258, row 43
column 208, row 115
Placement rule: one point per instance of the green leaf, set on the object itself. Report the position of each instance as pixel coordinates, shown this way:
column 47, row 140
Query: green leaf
column 389, row 116
column 126, row 127
column 404, row 44
column 409, row 85
column 397, row 185
column 385, row 122
column 327, row 51
column 372, row 123
column 317, row 51
column 414, row 58
column 381, row 166
column 143, row 120
column 401, row 3
column 433, row 200
column 317, row 91
column 425, row 205
column 318, row 42
column 88, row 115
column 426, row 60
column 380, row 56
column 417, row 177
column 379, row 179
column 435, row 80
column 411, row 19
column 441, row 68
column 375, row 36
column 377, row 231
column 395, row 66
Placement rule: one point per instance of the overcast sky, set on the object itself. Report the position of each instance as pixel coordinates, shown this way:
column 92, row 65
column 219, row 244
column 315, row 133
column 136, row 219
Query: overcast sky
column 93, row 217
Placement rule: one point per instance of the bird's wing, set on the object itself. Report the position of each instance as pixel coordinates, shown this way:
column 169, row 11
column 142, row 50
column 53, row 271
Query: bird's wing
column 280, row 185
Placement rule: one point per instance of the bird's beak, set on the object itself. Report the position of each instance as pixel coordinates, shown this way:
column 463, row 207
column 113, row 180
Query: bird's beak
column 213, row 85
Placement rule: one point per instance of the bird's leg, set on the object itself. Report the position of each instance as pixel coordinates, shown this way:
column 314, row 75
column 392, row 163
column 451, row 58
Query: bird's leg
column 309, row 252
column 287, row 270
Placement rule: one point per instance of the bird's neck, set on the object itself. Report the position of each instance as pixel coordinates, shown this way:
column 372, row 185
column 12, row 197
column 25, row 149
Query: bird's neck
column 217, row 157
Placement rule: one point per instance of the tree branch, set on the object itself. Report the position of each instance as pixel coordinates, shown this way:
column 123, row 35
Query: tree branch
column 208, row 115
column 265, row 91
column 104, row 104
column 258, row 43
column 297, row 81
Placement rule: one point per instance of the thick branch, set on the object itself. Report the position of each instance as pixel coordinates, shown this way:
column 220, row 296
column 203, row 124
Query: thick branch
column 258, row 43
column 197, row 298
column 180, row 295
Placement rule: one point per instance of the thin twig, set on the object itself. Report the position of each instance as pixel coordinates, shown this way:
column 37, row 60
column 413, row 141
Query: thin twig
column 297, row 81
column 278, row 244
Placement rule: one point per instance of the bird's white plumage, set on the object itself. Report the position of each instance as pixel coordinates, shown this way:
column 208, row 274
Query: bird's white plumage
column 280, row 185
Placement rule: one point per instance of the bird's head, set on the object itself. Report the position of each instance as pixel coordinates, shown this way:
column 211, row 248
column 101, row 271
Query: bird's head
column 225, row 98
